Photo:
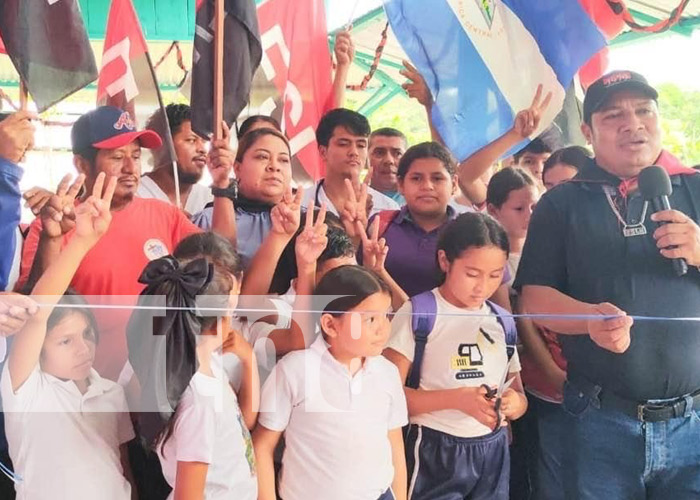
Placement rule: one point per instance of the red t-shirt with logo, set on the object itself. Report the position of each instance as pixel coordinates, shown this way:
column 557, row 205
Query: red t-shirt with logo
column 143, row 231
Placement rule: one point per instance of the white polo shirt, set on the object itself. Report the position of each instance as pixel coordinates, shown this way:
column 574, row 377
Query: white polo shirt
column 336, row 425
column 199, row 196
column 209, row 428
column 465, row 349
column 317, row 193
column 65, row 444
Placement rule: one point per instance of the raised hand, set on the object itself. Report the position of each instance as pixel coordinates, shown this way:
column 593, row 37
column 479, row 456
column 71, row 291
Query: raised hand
column 355, row 209
column 58, row 213
column 312, row 241
column 221, row 159
column 374, row 248
column 36, row 198
column 527, row 120
column 238, row 345
column 286, row 215
column 92, row 217
column 15, row 310
column 344, row 48
column 16, row 135
column 416, row 87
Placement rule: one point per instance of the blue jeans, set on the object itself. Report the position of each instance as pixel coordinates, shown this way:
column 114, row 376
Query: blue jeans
column 613, row 456
column 551, row 428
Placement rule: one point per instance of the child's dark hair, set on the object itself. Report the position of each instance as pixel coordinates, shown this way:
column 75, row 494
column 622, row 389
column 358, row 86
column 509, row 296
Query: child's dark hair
column 574, row 156
column 425, row 150
column 78, row 306
column 339, row 245
column 536, row 146
column 249, row 122
column 471, row 230
column 504, row 181
column 351, row 285
column 213, row 247
column 353, row 121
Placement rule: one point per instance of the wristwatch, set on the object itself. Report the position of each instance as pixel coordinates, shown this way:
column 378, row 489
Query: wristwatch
column 230, row 192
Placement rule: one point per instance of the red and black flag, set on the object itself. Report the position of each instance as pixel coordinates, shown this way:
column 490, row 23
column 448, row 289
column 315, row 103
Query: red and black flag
column 126, row 75
column 48, row 44
column 242, row 55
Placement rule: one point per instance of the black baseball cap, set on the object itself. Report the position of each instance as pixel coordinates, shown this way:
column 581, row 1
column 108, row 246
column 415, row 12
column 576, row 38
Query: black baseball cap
column 107, row 127
column 605, row 86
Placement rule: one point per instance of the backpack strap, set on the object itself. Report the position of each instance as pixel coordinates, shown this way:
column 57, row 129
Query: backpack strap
column 386, row 217
column 424, row 311
column 505, row 318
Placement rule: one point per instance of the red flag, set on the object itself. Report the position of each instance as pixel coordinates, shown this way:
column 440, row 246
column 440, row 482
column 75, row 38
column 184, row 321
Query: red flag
column 126, row 71
column 127, row 75
column 610, row 25
column 297, row 60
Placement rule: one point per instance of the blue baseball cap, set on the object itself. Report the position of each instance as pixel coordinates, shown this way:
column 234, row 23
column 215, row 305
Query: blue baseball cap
column 107, row 127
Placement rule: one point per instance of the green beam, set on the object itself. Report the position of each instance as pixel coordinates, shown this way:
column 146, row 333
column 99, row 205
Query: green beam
column 379, row 75
column 378, row 100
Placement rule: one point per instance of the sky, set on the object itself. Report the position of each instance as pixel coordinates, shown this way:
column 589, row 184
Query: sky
column 662, row 59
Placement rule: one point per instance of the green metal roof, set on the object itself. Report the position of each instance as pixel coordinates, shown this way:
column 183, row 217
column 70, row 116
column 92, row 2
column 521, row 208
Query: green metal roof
column 160, row 19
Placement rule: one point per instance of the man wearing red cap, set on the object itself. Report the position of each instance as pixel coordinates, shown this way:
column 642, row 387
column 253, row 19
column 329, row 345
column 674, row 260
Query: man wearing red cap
column 594, row 254
column 106, row 140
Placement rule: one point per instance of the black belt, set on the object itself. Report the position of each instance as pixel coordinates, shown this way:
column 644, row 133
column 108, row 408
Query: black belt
column 651, row 412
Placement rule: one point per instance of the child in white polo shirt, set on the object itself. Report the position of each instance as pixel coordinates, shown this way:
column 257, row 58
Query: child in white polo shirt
column 66, row 426
column 200, row 423
column 339, row 403
column 456, row 445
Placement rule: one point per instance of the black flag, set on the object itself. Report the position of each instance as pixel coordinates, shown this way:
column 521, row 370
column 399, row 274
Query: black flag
column 242, row 55
column 47, row 42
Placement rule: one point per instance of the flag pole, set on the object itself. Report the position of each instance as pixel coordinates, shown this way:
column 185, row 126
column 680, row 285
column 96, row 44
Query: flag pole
column 23, row 94
column 169, row 143
column 218, row 69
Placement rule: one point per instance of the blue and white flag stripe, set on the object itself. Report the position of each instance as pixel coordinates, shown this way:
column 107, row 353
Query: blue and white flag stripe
column 481, row 75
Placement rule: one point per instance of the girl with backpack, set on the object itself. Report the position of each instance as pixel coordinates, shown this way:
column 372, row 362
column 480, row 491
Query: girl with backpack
column 456, row 352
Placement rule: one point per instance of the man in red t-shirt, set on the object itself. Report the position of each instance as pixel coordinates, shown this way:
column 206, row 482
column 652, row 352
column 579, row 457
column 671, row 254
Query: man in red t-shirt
column 106, row 140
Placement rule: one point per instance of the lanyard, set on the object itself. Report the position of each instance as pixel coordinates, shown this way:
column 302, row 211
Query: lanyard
column 317, row 202
column 628, row 230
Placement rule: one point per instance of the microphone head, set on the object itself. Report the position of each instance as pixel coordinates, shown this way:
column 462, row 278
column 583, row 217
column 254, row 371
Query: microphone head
column 654, row 182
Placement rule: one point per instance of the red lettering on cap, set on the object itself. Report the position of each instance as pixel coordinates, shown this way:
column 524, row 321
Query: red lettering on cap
column 125, row 121
column 617, row 78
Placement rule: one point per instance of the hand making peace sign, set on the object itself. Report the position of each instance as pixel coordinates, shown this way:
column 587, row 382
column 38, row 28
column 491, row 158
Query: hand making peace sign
column 312, row 241
column 527, row 120
column 286, row 215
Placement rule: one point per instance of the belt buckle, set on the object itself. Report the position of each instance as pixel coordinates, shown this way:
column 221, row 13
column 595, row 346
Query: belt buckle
column 640, row 413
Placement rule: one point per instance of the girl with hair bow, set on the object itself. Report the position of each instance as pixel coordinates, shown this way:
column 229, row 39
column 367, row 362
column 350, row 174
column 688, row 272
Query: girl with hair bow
column 189, row 411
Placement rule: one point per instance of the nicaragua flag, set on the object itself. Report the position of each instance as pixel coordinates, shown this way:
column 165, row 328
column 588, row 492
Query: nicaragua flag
column 483, row 60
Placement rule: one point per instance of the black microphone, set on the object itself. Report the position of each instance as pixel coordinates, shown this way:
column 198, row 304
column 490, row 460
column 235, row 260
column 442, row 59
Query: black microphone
column 655, row 186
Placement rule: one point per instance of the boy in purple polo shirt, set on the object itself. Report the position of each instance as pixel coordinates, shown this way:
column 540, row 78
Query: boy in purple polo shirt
column 427, row 180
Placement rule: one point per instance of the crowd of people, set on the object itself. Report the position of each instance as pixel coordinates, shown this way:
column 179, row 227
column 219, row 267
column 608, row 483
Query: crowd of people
column 408, row 327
